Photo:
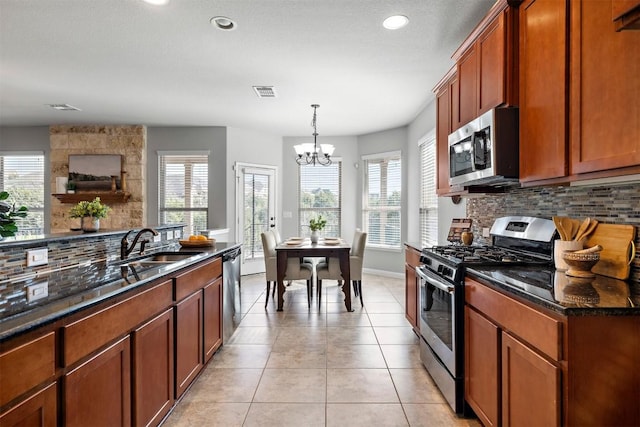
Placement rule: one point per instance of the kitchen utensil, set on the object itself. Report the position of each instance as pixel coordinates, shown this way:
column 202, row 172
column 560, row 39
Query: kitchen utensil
column 557, row 221
column 582, row 228
column 596, row 248
column 559, row 247
column 580, row 264
column 618, row 249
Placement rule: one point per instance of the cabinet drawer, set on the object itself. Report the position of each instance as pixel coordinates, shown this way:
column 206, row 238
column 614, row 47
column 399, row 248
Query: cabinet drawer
column 92, row 332
column 535, row 327
column 26, row 366
column 196, row 278
column 412, row 257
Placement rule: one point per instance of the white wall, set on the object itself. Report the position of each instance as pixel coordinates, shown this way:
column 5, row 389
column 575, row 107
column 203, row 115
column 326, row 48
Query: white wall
column 212, row 139
column 346, row 148
column 381, row 142
column 253, row 147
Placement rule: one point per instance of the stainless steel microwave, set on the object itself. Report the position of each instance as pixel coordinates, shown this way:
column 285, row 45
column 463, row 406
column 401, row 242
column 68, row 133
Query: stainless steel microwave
column 485, row 151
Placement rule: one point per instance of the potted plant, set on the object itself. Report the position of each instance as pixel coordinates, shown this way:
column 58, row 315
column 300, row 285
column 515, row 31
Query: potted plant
column 8, row 215
column 316, row 224
column 71, row 187
column 90, row 213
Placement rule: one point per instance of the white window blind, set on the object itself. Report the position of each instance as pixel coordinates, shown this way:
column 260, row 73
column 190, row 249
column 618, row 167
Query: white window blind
column 319, row 194
column 383, row 200
column 428, row 196
column 183, row 190
column 22, row 176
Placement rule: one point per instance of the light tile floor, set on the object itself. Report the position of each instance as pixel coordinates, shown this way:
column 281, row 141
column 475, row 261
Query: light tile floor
column 318, row 367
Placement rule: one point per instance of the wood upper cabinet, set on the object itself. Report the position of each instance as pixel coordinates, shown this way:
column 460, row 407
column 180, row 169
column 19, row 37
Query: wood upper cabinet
column 412, row 260
column 487, row 67
column 605, row 87
column 98, row 392
column 530, row 386
column 443, row 129
column 543, row 90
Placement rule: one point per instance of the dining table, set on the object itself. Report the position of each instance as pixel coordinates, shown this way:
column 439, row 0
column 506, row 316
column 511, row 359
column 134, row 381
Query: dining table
column 304, row 248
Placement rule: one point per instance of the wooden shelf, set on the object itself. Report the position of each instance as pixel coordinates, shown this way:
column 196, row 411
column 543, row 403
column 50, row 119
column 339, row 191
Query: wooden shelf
column 105, row 197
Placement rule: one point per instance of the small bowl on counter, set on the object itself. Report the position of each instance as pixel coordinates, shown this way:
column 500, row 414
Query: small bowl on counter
column 580, row 262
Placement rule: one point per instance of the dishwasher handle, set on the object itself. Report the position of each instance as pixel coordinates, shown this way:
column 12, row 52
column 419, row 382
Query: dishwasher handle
column 231, row 255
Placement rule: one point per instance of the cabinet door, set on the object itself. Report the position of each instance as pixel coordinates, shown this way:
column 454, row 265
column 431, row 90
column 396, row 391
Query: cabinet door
column 153, row 370
column 491, row 66
column 39, row 410
column 467, row 87
column 481, row 366
column 411, row 300
column 443, row 129
column 543, row 90
column 98, row 392
column 605, row 87
column 188, row 336
column 212, row 318
column 530, row 386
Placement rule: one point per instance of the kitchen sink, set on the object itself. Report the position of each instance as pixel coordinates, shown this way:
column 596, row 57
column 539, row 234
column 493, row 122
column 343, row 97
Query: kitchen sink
column 166, row 257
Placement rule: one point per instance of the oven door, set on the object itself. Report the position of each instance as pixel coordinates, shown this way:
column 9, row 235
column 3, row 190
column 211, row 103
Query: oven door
column 438, row 317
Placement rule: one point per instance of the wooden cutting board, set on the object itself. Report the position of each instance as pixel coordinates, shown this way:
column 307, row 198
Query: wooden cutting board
column 616, row 241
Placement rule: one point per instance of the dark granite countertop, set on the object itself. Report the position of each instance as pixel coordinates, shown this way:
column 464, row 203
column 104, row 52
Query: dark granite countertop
column 566, row 295
column 414, row 245
column 107, row 281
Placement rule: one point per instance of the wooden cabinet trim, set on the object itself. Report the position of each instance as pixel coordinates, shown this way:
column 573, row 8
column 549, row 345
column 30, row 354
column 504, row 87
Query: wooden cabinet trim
column 37, row 363
column 196, row 278
column 540, row 330
column 92, row 332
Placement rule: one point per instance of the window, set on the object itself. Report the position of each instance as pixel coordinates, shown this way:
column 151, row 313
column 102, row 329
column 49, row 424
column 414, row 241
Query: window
column 183, row 190
column 428, row 196
column 22, row 175
column 383, row 199
column 319, row 194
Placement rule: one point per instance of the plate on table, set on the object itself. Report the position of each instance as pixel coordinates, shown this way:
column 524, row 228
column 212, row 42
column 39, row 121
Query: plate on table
column 294, row 242
column 197, row 243
column 331, row 242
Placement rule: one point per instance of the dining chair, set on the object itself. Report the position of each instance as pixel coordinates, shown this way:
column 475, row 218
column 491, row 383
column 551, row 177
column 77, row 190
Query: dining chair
column 331, row 270
column 295, row 269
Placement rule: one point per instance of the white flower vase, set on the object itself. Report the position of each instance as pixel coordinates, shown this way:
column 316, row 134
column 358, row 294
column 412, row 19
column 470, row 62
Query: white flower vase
column 90, row 224
column 314, row 236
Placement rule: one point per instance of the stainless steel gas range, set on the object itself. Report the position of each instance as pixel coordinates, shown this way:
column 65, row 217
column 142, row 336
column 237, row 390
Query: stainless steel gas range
column 516, row 241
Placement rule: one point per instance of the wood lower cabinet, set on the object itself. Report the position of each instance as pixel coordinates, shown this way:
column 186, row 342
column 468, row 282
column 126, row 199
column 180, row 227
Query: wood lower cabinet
column 412, row 288
column 98, row 392
column 482, row 364
column 39, row 410
column 530, row 386
column 188, row 331
column 525, row 365
column 212, row 318
column 153, row 370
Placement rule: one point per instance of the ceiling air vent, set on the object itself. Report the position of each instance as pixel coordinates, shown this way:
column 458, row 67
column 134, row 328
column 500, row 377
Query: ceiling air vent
column 64, row 107
column 265, row 91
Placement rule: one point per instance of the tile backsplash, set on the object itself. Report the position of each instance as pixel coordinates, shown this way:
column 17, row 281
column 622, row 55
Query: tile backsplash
column 614, row 204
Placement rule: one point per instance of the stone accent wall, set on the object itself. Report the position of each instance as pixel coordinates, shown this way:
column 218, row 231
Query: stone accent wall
column 613, row 204
column 130, row 141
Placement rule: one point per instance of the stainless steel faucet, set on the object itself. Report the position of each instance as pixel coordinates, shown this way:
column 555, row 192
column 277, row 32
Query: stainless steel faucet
column 125, row 249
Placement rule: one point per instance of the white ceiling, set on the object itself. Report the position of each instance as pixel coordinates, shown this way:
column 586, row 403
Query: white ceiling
column 128, row 62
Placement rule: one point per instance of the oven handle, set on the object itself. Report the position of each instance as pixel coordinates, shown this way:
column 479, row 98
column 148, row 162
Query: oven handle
column 436, row 283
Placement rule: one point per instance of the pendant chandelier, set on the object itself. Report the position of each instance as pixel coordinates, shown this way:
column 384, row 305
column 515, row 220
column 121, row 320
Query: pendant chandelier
column 308, row 153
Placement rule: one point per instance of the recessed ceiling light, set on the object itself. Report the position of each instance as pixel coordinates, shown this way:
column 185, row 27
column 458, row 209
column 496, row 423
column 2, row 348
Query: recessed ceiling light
column 157, row 2
column 395, row 22
column 223, row 23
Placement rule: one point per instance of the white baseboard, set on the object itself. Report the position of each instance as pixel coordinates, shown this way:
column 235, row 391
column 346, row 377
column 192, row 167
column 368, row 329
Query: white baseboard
column 383, row 273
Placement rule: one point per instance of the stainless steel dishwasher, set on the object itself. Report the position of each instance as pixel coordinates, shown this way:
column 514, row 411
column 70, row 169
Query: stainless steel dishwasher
column 231, row 314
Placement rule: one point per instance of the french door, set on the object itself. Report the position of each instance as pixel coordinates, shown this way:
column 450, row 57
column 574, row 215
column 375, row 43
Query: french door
column 256, row 211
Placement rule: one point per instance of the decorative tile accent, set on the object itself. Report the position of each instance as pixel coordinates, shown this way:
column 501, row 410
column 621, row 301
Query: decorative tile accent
column 614, row 204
